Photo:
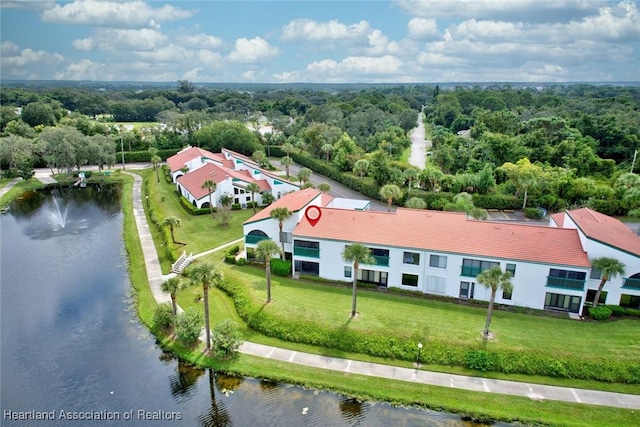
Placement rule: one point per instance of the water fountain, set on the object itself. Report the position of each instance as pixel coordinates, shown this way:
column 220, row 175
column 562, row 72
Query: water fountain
column 58, row 215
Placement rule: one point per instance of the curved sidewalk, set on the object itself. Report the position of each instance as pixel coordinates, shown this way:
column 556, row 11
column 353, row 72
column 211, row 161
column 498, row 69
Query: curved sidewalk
column 532, row 391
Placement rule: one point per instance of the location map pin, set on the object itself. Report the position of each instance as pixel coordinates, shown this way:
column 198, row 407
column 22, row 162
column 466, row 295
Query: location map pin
column 313, row 214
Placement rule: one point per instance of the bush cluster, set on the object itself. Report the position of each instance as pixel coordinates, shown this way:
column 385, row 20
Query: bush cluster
column 187, row 326
column 616, row 310
column 600, row 313
column 145, row 155
column 156, row 220
column 163, row 316
column 533, row 213
column 225, row 339
column 280, row 267
column 530, row 362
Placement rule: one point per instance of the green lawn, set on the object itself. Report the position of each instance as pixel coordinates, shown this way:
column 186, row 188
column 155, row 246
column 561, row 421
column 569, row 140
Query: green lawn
column 197, row 233
column 18, row 189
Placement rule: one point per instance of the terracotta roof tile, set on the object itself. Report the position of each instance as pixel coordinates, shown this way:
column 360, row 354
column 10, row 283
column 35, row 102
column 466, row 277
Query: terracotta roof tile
column 449, row 232
column 606, row 229
column 193, row 180
column 293, row 201
column 177, row 161
column 558, row 218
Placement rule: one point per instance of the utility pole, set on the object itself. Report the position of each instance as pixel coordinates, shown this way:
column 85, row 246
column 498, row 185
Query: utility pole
column 122, row 151
column 633, row 163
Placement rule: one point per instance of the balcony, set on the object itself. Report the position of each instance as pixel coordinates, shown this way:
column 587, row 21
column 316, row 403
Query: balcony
column 382, row 261
column 470, row 271
column 631, row 283
column 251, row 239
column 561, row 282
column 307, row 252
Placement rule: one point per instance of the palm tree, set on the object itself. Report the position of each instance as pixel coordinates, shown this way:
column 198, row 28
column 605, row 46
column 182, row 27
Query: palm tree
column 253, row 188
column 280, row 215
column 206, row 274
column 356, row 253
column 304, row 174
column 327, row 149
column 211, row 186
column 287, row 147
column 171, row 222
column 155, row 160
column 260, row 157
column 361, row 167
column 265, row 250
column 609, row 268
column 172, row 286
column 286, row 161
column 324, row 187
column 390, row 192
column 410, row 175
column 494, row 279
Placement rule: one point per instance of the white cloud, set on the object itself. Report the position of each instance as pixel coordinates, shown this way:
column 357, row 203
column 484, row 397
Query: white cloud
column 84, row 70
column 380, row 44
column 200, row 40
column 518, row 10
column 83, row 44
column 120, row 40
column 113, row 14
column 310, row 30
column 423, row 29
column 8, row 48
column 26, row 63
column 287, row 77
column 356, row 65
column 252, row 51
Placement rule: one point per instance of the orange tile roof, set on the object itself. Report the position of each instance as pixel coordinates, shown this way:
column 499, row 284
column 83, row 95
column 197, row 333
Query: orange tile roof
column 449, row 232
column 293, row 201
column 193, row 180
column 558, row 218
column 606, row 229
column 177, row 161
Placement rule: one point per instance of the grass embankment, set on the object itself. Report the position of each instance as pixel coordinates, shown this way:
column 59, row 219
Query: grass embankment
column 289, row 294
column 19, row 188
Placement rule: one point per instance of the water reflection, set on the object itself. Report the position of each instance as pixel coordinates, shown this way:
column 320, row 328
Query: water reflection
column 217, row 416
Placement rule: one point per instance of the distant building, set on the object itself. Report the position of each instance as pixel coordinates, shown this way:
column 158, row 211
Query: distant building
column 231, row 171
column 441, row 253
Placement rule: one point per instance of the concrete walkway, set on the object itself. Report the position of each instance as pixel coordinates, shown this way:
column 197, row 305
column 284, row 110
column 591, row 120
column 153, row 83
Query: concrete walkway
column 9, row 185
column 532, row 391
column 419, row 144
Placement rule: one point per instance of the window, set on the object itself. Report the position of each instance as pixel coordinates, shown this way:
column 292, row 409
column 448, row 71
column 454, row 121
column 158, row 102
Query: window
column 347, row 271
column 506, row 295
column 632, row 301
column 410, row 279
column 438, row 261
column 306, row 243
column 437, row 285
column 567, row 274
column 596, row 273
column 591, row 294
column 512, row 269
column 371, row 276
column 562, row 302
column 286, row 237
column 306, row 267
column 411, row 258
column 473, row 267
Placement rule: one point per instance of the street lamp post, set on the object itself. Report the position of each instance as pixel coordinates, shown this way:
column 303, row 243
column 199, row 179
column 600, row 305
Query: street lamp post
column 419, row 350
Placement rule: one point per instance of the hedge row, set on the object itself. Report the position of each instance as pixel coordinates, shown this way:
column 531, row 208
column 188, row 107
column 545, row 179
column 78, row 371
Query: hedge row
column 192, row 209
column 145, row 156
column 156, row 219
column 435, row 352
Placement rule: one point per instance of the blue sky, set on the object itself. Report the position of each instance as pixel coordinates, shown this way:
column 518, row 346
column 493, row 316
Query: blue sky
column 400, row 41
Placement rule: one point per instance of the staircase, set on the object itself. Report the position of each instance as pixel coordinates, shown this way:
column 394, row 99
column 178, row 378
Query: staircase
column 182, row 263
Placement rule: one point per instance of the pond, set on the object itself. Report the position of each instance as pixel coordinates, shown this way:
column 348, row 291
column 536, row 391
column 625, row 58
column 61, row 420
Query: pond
column 73, row 348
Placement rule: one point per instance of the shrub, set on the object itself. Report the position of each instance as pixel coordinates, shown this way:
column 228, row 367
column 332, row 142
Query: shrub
column 280, row 267
column 163, row 316
column 236, row 207
column 481, row 360
column 234, row 250
column 188, row 325
column 616, row 310
column 632, row 312
column 225, row 339
column 534, row 213
column 192, row 209
column 251, row 205
column 230, row 259
column 600, row 312
column 241, row 261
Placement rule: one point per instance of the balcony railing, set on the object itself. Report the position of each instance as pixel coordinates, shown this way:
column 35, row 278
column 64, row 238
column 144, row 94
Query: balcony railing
column 250, row 239
column 561, row 282
column 382, row 261
column 631, row 283
column 470, row 271
column 308, row 252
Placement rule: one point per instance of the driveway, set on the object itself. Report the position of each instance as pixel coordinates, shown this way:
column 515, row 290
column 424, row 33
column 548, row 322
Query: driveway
column 337, row 189
column 419, row 145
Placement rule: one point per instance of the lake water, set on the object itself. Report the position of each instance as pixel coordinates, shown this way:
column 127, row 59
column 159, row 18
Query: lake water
column 73, row 351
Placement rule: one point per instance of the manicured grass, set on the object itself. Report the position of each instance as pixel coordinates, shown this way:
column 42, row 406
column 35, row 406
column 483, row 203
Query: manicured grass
column 19, row 188
column 199, row 233
column 478, row 405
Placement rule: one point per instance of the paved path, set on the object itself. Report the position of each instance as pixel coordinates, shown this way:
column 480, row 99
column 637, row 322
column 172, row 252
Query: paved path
column 533, row 391
column 419, row 145
column 9, row 185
